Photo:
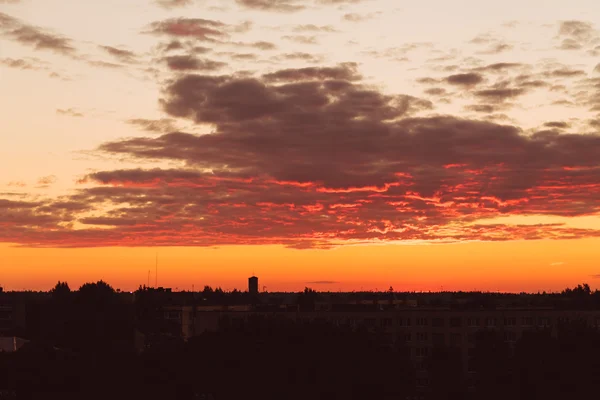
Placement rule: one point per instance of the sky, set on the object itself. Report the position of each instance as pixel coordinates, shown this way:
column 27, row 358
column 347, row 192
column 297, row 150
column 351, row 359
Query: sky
column 336, row 144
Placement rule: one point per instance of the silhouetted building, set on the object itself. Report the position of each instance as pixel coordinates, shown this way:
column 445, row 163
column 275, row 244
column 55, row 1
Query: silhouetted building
column 420, row 330
column 253, row 285
column 6, row 317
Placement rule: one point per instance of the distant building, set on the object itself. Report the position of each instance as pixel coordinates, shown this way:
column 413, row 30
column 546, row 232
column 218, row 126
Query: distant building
column 253, row 285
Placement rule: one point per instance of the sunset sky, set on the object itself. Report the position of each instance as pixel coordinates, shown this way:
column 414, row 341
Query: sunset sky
column 336, row 144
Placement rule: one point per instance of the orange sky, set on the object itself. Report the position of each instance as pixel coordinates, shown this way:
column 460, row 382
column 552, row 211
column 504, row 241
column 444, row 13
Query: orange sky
column 504, row 266
column 288, row 132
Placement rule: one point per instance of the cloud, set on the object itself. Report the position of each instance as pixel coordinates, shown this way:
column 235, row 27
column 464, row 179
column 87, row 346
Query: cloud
column 347, row 71
column 24, row 64
column 565, row 73
column 322, row 282
column 187, row 62
column 482, row 108
column 302, row 39
column 69, row 111
column 496, row 48
column 20, row 184
column 272, row 5
column 316, row 158
column 299, row 56
column 500, row 94
column 244, row 56
column 104, row 64
column 173, row 3
column 163, row 125
column 493, row 44
column 262, row 45
column 557, row 124
column 557, row 263
column 436, row 91
column 576, row 35
column 314, row 28
column 196, row 28
column 33, row 36
column 468, row 79
column 288, row 6
column 499, row 67
column 354, row 17
column 121, row 55
column 46, row 181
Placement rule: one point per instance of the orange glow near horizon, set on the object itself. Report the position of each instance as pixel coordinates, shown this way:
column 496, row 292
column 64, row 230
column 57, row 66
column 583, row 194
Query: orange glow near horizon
column 511, row 266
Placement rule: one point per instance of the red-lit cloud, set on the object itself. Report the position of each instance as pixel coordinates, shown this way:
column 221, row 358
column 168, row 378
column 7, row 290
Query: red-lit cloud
column 314, row 158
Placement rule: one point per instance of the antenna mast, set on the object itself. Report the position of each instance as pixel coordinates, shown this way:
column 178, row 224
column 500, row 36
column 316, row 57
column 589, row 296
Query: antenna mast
column 156, row 273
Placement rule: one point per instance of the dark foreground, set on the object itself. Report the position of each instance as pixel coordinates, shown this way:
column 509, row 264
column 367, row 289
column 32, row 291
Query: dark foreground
column 83, row 345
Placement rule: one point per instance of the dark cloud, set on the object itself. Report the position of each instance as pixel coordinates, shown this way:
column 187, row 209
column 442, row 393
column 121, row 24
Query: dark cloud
column 187, row 62
column 196, row 28
column 70, row 112
column 557, row 124
column 173, row 45
column 163, row 125
column 564, row 72
column 482, row 108
column 314, row 158
column 125, row 56
column 436, row 91
column 499, row 67
column 427, row 81
column 33, row 36
column 500, row 94
column 347, row 71
column 322, row 282
column 468, row 79
column 244, row 56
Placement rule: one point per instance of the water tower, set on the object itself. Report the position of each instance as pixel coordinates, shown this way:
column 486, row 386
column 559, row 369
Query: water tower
column 253, row 285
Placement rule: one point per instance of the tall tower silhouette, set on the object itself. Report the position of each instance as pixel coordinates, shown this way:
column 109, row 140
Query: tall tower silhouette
column 253, row 285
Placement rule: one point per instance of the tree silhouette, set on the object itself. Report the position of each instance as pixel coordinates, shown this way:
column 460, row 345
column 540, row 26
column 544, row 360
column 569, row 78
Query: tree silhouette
column 61, row 292
column 97, row 294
